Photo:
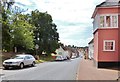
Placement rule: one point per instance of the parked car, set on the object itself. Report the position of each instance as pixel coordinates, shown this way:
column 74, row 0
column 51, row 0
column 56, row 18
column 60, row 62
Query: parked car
column 20, row 60
column 60, row 57
column 73, row 56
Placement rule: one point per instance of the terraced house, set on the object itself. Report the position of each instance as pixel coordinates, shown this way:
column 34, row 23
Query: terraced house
column 106, row 30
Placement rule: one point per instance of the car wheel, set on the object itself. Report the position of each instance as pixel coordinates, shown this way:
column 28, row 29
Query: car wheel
column 21, row 65
column 33, row 64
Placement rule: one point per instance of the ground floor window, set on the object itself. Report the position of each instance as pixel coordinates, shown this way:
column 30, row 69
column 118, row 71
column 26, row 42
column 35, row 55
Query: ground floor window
column 109, row 45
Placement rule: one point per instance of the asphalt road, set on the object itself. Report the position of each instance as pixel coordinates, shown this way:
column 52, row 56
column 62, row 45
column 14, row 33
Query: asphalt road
column 57, row 70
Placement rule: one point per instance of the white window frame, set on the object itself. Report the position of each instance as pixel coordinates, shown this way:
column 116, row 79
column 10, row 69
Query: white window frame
column 104, row 15
column 108, row 41
column 100, row 21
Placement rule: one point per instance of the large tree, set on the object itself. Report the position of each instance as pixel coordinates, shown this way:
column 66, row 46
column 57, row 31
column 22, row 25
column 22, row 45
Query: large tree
column 21, row 32
column 46, row 35
column 5, row 27
column 17, row 32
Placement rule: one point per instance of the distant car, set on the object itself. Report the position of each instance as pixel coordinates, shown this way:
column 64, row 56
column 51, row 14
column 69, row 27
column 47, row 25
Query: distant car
column 20, row 60
column 73, row 56
column 60, row 57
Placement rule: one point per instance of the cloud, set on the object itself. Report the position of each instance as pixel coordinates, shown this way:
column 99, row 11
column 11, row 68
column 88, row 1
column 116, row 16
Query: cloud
column 72, row 17
column 81, row 42
column 24, row 2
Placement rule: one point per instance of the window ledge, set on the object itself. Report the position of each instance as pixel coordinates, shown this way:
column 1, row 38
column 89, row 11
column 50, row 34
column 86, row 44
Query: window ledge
column 108, row 27
column 109, row 50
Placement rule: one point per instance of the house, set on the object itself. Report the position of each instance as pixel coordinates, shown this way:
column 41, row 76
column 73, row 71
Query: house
column 71, row 51
column 62, row 51
column 86, row 52
column 106, row 30
column 67, row 51
column 91, row 49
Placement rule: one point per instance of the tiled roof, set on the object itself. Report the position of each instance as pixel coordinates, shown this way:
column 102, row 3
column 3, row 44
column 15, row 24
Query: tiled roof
column 108, row 4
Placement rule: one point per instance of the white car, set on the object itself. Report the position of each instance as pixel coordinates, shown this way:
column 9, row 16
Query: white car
column 20, row 60
column 73, row 56
column 59, row 57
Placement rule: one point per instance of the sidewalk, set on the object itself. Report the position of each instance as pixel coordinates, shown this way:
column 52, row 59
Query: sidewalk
column 87, row 71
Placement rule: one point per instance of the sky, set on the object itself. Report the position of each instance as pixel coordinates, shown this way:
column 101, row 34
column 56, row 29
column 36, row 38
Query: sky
column 72, row 17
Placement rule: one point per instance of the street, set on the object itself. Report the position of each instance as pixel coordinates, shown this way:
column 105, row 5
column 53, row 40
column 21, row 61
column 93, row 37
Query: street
column 56, row 70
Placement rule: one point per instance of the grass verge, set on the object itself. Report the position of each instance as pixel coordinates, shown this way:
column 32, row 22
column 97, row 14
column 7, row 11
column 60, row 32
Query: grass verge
column 45, row 59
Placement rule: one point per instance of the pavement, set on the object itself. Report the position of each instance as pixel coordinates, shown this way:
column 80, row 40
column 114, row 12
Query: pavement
column 88, row 71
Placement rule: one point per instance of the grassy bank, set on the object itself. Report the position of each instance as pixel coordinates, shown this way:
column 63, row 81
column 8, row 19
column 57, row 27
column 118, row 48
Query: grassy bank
column 44, row 59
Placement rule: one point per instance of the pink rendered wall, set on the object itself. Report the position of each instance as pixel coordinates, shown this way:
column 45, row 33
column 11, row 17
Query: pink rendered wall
column 119, row 36
column 107, row 10
column 108, row 34
column 95, row 56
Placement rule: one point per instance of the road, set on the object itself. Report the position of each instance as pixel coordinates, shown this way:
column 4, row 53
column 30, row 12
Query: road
column 57, row 70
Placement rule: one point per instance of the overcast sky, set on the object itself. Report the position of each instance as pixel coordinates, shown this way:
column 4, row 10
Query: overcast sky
column 72, row 17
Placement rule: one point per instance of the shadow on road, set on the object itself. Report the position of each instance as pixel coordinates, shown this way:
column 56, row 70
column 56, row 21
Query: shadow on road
column 62, row 61
column 17, row 68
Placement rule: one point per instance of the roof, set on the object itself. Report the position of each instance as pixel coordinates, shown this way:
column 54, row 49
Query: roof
column 66, row 48
column 91, row 41
column 109, row 4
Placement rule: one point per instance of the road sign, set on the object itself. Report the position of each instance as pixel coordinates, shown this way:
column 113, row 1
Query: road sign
column 36, row 46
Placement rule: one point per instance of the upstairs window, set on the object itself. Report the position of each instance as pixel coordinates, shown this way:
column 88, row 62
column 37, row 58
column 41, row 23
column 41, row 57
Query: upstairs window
column 102, row 21
column 109, row 45
column 114, row 21
column 109, row 21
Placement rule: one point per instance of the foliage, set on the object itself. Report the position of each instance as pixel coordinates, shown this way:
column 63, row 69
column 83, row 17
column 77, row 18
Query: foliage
column 24, row 31
column 21, row 32
column 5, row 29
column 46, row 35
column 39, row 61
column 16, row 31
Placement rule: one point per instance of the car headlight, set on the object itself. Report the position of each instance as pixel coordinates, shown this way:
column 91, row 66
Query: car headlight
column 3, row 62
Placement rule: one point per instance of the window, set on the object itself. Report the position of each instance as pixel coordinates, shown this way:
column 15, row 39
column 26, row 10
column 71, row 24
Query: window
column 109, row 45
column 114, row 21
column 27, row 57
column 101, row 21
column 109, row 21
column 108, row 24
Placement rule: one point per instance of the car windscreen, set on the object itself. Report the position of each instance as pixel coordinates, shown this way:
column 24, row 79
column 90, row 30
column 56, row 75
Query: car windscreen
column 17, row 57
column 58, row 56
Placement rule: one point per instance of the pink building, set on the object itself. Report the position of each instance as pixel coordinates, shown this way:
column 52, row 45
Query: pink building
column 106, row 30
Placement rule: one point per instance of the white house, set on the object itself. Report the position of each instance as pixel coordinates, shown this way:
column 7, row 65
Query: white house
column 91, row 49
column 61, row 51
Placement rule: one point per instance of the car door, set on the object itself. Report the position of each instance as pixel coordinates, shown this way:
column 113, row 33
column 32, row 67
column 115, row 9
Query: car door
column 31, row 60
column 26, row 60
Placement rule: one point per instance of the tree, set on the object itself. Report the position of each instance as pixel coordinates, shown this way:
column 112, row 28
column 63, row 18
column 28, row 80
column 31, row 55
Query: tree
column 46, row 35
column 21, row 33
column 16, row 30
column 5, row 28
